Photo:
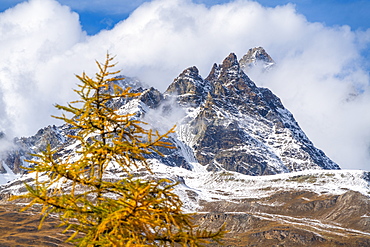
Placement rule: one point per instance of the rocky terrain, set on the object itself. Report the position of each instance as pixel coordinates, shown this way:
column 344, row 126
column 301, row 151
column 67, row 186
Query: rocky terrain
column 241, row 159
column 293, row 217
column 309, row 208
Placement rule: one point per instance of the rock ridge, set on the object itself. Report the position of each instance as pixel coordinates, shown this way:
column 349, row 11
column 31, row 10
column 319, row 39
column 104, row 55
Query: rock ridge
column 228, row 124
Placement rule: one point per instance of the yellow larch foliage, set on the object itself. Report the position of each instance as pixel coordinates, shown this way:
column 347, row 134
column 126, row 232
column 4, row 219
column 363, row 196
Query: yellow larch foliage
column 129, row 211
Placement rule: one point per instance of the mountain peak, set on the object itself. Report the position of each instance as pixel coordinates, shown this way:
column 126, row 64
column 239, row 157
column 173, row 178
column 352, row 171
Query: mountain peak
column 186, row 82
column 230, row 76
column 256, row 56
column 189, row 86
column 230, row 61
column 191, row 72
column 235, row 125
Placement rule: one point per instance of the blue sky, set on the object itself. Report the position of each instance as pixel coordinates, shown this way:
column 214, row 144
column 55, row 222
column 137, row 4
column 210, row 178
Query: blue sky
column 95, row 16
column 321, row 49
column 355, row 13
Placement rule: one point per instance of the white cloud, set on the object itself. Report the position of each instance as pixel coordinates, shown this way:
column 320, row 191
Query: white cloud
column 43, row 46
column 33, row 34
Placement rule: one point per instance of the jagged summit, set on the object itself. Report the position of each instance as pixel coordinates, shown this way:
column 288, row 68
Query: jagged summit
column 231, row 75
column 189, row 86
column 223, row 80
column 256, row 56
column 240, row 127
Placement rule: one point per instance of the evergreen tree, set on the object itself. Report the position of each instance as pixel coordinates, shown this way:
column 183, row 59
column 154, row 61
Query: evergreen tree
column 128, row 211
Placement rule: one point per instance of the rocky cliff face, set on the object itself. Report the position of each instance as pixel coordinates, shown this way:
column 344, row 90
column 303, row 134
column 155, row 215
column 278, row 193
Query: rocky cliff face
column 21, row 149
column 234, row 125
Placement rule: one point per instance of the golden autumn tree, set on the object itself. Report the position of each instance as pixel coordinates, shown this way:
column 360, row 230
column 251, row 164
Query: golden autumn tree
column 125, row 211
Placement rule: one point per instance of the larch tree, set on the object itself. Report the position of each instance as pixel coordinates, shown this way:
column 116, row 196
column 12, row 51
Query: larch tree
column 126, row 211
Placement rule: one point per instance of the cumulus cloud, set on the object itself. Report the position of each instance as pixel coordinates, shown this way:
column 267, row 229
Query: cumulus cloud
column 32, row 34
column 320, row 75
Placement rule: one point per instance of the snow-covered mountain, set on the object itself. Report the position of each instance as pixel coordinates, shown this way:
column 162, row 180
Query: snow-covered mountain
column 256, row 57
column 224, row 122
column 232, row 124
column 229, row 133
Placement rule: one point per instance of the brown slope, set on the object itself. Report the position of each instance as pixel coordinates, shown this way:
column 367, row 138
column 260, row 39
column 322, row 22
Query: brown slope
column 21, row 229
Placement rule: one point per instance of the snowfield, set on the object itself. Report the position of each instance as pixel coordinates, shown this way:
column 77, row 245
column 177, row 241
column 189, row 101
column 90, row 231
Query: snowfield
column 228, row 185
column 233, row 186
